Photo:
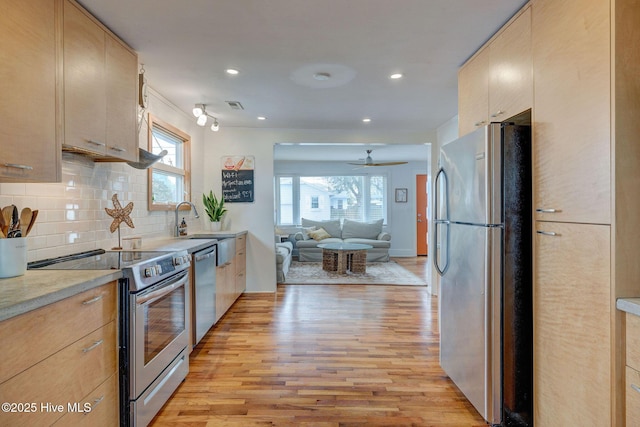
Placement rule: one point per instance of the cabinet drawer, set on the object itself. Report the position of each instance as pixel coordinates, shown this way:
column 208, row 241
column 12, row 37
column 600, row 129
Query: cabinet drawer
column 632, row 397
column 66, row 377
column 38, row 334
column 633, row 341
column 241, row 243
column 103, row 404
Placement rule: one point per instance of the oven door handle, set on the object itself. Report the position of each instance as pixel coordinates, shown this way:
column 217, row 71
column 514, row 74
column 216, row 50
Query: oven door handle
column 159, row 293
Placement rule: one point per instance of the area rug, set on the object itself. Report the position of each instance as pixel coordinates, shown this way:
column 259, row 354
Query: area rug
column 378, row 273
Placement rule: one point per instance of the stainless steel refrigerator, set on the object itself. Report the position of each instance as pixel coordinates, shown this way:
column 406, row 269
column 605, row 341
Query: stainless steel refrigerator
column 484, row 255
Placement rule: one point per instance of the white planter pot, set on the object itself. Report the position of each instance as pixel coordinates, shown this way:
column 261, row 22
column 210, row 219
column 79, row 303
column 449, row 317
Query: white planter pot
column 214, row 225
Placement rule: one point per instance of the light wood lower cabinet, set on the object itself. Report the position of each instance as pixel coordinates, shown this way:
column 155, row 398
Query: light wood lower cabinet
column 98, row 406
column 632, row 377
column 225, row 289
column 572, row 325
column 241, row 265
column 231, row 278
column 60, row 355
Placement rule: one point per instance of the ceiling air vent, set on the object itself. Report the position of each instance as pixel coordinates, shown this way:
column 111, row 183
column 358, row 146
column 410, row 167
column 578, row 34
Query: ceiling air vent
column 235, row 105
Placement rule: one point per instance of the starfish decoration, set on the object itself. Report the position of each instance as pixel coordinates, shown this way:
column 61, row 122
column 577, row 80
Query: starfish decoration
column 119, row 214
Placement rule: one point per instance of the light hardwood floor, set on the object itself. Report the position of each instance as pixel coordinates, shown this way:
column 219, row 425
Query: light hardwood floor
column 312, row 355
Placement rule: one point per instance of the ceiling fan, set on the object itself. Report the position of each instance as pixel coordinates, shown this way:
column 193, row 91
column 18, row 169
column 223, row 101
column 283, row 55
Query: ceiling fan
column 369, row 162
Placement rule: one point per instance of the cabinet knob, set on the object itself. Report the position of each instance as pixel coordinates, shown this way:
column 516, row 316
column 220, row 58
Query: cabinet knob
column 497, row 113
column 97, row 143
column 118, row 149
column 480, row 123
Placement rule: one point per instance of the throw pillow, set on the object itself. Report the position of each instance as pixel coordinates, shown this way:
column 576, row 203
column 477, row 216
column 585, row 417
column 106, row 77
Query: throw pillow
column 306, row 230
column 362, row 230
column 319, row 234
column 332, row 227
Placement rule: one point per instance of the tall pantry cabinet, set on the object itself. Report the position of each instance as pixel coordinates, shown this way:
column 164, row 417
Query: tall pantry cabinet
column 586, row 122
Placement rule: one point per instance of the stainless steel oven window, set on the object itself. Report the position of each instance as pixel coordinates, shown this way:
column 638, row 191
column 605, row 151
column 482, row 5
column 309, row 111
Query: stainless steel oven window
column 164, row 320
column 158, row 329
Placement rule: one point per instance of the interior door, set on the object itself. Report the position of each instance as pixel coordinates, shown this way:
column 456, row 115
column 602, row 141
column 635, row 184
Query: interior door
column 421, row 215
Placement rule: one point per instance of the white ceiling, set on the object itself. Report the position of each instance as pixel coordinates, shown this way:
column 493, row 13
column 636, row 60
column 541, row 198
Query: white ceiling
column 278, row 45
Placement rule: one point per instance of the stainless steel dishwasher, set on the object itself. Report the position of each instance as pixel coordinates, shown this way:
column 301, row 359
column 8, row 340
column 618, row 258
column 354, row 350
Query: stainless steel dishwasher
column 204, row 295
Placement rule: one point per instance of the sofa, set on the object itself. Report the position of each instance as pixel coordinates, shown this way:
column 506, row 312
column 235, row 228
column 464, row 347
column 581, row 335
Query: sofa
column 349, row 231
column 284, row 254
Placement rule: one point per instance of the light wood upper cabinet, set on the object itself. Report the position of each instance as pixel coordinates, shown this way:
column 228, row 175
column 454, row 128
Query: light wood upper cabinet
column 28, row 139
column 510, row 70
column 85, row 93
column 100, row 83
column 122, row 86
column 572, row 325
column 473, row 93
column 572, row 111
column 496, row 83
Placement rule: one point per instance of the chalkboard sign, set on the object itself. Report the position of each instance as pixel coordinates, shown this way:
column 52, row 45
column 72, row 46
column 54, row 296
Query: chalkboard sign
column 237, row 186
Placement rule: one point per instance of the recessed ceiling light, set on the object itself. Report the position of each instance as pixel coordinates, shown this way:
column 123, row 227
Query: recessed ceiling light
column 322, row 76
column 232, row 71
column 366, row 120
column 262, row 118
column 396, row 76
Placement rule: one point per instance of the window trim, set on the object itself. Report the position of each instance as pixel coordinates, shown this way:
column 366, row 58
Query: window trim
column 185, row 172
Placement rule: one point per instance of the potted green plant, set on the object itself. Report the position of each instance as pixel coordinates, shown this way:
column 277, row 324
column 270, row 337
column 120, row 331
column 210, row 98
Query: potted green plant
column 214, row 208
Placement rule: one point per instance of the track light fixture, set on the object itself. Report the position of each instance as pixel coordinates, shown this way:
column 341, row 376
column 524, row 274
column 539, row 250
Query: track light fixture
column 200, row 111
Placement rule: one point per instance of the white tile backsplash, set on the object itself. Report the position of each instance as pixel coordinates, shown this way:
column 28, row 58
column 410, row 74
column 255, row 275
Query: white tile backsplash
column 71, row 214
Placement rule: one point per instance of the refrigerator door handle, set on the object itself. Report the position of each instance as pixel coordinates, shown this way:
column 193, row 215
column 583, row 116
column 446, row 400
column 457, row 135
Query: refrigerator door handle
column 441, row 271
column 438, row 221
column 441, row 172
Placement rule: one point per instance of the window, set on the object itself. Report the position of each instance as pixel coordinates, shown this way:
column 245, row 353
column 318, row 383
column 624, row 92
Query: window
column 356, row 197
column 169, row 178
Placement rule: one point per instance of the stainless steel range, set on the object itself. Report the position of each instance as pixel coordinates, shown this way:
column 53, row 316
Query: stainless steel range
column 154, row 299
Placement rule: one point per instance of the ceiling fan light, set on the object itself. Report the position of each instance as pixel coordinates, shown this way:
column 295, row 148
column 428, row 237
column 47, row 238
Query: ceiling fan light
column 202, row 120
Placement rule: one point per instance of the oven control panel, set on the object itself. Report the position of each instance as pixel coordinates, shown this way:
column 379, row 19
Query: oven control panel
column 165, row 266
column 156, row 269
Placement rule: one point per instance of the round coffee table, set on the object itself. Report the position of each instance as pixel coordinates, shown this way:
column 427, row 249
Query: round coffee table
column 340, row 257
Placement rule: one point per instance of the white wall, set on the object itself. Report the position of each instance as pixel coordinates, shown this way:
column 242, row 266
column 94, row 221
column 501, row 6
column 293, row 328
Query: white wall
column 71, row 214
column 258, row 217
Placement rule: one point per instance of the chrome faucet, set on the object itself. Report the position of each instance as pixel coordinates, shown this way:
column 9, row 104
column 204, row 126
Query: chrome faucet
column 195, row 211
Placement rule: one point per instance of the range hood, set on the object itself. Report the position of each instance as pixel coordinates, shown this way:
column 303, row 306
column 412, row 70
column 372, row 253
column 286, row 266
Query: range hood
column 145, row 158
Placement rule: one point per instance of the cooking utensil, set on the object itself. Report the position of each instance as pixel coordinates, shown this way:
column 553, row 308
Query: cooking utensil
column 25, row 220
column 34, row 215
column 7, row 212
column 14, row 228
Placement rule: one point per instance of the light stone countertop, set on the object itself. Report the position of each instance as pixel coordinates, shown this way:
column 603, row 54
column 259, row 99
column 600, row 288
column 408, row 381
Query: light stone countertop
column 37, row 288
column 630, row 305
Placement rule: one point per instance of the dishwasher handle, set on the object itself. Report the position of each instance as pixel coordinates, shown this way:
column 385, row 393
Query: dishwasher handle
column 202, row 255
